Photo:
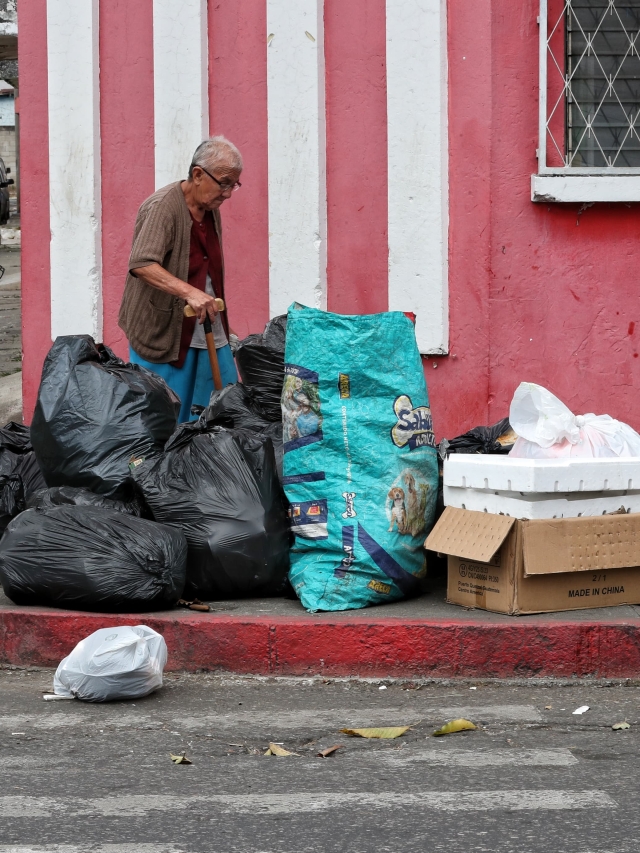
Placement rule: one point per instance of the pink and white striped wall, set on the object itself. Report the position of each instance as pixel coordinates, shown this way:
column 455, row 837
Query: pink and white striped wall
column 389, row 147
column 338, row 106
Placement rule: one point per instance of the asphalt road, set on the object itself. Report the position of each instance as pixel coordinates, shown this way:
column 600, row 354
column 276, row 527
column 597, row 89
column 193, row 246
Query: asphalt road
column 79, row 777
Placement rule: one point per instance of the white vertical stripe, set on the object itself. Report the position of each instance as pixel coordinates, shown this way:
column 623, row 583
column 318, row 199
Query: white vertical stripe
column 418, row 191
column 180, row 75
column 74, row 167
column 297, row 177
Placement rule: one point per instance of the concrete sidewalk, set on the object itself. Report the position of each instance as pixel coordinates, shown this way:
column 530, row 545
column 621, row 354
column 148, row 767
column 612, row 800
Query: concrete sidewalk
column 421, row 638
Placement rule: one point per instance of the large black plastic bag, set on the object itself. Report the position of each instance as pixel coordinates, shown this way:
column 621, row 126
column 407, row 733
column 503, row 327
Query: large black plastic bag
column 260, row 360
column 70, row 496
column 237, row 407
column 92, row 559
column 220, row 488
column 20, row 475
column 93, row 413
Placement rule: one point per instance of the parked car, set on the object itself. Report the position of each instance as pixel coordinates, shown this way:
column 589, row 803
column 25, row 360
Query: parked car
column 4, row 192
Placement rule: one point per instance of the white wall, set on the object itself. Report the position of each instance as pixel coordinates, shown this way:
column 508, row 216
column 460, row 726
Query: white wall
column 74, row 167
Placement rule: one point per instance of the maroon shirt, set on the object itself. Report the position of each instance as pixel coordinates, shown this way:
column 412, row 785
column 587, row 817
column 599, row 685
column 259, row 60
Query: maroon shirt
column 204, row 257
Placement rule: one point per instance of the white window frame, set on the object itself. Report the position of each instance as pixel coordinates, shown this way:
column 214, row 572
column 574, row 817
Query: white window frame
column 571, row 183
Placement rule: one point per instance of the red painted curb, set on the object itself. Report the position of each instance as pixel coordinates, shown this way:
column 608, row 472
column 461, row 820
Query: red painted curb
column 335, row 645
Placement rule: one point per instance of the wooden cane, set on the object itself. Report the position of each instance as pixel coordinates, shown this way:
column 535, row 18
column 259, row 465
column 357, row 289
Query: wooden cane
column 211, row 344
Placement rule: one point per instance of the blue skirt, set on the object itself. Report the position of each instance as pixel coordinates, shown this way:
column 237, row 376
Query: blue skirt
column 192, row 382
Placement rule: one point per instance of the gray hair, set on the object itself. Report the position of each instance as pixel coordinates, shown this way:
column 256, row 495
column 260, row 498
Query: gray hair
column 214, row 152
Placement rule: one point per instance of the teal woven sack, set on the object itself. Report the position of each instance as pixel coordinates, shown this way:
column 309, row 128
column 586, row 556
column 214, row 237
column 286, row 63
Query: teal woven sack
column 360, row 465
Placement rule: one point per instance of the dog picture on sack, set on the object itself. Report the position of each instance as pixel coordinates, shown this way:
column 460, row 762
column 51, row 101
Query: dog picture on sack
column 301, row 415
column 406, row 503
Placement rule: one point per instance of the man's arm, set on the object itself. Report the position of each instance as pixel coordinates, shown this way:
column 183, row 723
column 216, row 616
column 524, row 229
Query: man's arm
column 157, row 276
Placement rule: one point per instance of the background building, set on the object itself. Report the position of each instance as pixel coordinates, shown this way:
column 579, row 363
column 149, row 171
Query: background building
column 389, row 147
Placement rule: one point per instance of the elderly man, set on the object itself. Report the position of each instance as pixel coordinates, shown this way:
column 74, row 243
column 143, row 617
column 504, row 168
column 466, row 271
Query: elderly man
column 176, row 259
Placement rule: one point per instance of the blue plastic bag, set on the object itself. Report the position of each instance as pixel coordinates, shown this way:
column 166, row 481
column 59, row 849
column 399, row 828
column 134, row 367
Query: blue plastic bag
column 360, row 464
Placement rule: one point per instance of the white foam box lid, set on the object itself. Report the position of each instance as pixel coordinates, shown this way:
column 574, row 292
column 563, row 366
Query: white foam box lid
column 542, row 504
column 509, row 474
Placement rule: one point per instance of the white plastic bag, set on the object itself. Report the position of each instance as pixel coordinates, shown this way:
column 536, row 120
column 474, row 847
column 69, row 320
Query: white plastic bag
column 547, row 429
column 113, row 663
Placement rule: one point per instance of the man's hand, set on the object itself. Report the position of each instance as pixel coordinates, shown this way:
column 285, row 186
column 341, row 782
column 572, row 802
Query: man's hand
column 202, row 304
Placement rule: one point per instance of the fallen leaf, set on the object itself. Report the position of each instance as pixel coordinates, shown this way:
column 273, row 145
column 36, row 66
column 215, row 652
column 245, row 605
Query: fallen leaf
column 547, row 707
column 386, row 733
column 275, row 749
column 581, row 709
column 180, row 759
column 308, row 35
column 194, row 604
column 270, row 38
column 460, row 725
column 329, row 751
column 619, row 727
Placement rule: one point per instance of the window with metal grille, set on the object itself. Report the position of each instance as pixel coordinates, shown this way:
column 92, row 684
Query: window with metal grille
column 591, row 94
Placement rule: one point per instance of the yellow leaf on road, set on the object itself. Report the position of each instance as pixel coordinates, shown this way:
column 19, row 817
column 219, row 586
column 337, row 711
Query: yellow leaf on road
column 275, row 749
column 179, row 759
column 384, row 733
column 460, row 725
column 619, row 727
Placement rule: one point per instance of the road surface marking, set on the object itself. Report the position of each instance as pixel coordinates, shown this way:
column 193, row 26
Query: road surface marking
column 482, row 758
column 300, row 719
column 448, row 801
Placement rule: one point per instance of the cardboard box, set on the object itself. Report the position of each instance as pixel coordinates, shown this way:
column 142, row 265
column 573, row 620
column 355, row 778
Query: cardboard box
column 515, row 566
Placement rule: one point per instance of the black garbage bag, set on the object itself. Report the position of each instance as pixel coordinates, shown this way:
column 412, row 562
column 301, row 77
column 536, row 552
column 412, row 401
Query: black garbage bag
column 94, row 412
column 70, row 496
column 220, row 488
column 238, row 407
column 20, row 474
column 89, row 558
column 15, row 438
column 498, row 438
column 260, row 360
column 12, row 500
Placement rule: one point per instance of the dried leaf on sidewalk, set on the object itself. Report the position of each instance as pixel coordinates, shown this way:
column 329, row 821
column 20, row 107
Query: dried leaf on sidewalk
column 325, row 753
column 460, row 725
column 195, row 604
column 180, row 759
column 619, row 727
column 384, row 733
column 274, row 749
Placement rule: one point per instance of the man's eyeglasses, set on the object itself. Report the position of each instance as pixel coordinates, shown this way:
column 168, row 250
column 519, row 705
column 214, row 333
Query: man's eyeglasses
column 223, row 186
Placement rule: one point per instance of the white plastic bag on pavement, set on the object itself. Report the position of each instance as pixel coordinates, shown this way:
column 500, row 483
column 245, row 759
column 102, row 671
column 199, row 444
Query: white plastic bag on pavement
column 547, row 429
column 113, row 663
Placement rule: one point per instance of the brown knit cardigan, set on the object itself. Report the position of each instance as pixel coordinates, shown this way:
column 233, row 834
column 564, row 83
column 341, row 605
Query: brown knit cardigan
column 151, row 318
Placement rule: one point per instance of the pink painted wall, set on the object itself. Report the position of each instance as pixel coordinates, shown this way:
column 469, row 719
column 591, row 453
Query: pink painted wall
column 544, row 293
column 541, row 293
column 356, row 115
column 34, row 181
column 238, row 110
column 126, row 139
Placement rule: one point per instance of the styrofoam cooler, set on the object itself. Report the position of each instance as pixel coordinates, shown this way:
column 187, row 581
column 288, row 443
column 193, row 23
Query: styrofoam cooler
column 542, row 488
